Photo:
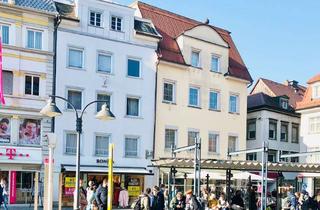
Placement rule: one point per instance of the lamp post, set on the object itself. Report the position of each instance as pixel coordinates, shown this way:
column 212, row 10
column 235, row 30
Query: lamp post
column 51, row 110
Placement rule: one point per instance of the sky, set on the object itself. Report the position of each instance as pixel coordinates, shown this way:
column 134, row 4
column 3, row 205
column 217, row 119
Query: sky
column 278, row 40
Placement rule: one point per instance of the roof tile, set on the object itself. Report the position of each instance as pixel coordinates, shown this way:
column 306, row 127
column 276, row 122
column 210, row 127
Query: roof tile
column 42, row 5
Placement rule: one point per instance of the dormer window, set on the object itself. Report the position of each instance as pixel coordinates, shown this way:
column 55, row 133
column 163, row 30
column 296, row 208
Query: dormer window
column 316, row 91
column 95, row 18
column 116, row 23
column 284, row 103
column 195, row 58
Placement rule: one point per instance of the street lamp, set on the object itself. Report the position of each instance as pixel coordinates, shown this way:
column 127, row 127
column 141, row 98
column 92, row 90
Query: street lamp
column 51, row 110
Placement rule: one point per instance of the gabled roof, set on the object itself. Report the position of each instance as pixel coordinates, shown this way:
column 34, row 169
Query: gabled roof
column 308, row 102
column 295, row 93
column 41, row 5
column 171, row 25
column 262, row 100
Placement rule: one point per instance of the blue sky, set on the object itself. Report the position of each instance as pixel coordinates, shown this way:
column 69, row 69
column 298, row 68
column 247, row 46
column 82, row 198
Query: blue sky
column 278, row 40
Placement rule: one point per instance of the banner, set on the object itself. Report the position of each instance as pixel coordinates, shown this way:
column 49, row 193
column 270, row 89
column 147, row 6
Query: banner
column 1, row 79
column 13, row 184
column 5, row 132
column 69, row 185
column 29, row 132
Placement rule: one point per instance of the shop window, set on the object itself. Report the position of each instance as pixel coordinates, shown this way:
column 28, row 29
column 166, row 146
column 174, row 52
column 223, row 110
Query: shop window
column 29, row 132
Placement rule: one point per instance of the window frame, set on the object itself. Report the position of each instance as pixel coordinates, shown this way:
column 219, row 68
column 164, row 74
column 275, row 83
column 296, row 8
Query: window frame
column 218, row 100
column 104, row 93
column 111, row 62
column 95, row 18
column 284, row 103
column 250, row 121
column 5, row 80
column 32, row 84
column 199, row 58
column 116, row 24
column 297, row 126
column 1, row 31
column 218, row 58
column 198, row 94
column 34, row 38
column 173, row 83
column 82, row 61
column 237, row 96
column 236, row 143
column 139, row 106
column 194, row 131
column 140, row 67
column 315, row 91
column 175, row 136
column 217, row 142
column 273, row 121
column 138, row 138
column 254, row 155
column 108, row 135
column 65, row 142
column 82, row 97
column 317, row 122
column 283, row 123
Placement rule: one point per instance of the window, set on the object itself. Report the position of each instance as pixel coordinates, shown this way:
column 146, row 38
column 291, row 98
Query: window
column 213, row 142
column 103, row 97
column 71, row 144
column 170, row 138
column 102, row 142
column 233, row 104
column 131, row 147
column 272, row 156
column 168, row 91
column 284, row 132
column 104, row 63
column 214, row 100
column 75, row 97
column 75, row 58
column 5, row 34
column 132, row 106
column 192, row 135
column 251, row 129
column 252, row 156
column 7, row 82
column 133, row 68
column 116, row 23
column 232, row 143
column 95, row 18
column 215, row 64
column 272, row 129
column 194, row 96
column 314, row 125
column 4, row 1
column 316, row 91
column 295, row 133
column 195, row 58
column 284, row 103
column 31, row 86
column 34, row 39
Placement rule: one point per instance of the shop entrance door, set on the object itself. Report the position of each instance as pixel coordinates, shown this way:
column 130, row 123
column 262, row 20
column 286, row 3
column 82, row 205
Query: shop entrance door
column 24, row 187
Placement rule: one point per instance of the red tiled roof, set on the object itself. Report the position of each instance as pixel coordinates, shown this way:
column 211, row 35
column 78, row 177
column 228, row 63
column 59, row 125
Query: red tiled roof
column 295, row 94
column 171, row 25
column 308, row 101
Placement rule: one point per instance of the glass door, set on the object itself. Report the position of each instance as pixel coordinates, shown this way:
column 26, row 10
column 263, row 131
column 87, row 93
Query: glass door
column 24, row 186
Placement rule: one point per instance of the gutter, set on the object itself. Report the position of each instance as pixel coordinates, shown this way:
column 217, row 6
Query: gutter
column 57, row 22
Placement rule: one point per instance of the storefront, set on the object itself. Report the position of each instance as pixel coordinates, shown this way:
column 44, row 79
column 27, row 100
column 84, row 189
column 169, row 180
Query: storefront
column 18, row 166
column 125, row 178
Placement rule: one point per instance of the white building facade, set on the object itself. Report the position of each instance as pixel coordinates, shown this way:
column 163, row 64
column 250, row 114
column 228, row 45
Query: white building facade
column 27, row 53
column 102, row 57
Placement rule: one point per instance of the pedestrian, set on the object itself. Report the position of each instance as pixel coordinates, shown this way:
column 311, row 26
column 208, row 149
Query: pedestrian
column 159, row 203
column 83, row 196
column 145, row 200
column 237, row 201
column 178, row 203
column 213, row 202
column 222, row 202
column 191, row 201
column 4, row 194
column 252, row 198
column 91, row 194
column 102, row 195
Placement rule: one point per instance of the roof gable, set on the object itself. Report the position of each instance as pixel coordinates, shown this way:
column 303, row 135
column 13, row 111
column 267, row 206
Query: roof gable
column 171, row 25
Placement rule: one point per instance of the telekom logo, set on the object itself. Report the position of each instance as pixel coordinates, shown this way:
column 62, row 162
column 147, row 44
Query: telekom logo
column 10, row 152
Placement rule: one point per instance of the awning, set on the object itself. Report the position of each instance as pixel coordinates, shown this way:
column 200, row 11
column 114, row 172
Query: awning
column 242, row 165
column 104, row 169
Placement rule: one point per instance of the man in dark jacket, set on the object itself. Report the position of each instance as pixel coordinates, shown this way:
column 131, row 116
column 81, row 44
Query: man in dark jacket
column 1, row 197
column 158, row 199
column 102, row 195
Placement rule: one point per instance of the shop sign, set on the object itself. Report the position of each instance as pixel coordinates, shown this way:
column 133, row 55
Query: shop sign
column 70, row 182
column 13, row 184
column 30, row 155
column 102, row 160
column 68, row 190
column 134, row 191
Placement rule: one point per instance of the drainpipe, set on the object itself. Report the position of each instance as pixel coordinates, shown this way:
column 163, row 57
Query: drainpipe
column 57, row 22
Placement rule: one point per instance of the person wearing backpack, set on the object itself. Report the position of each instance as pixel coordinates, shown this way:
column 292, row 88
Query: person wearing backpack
column 145, row 200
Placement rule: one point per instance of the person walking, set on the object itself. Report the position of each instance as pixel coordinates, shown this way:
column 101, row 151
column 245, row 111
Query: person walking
column 213, row 202
column 158, row 203
column 102, row 195
column 91, row 193
column 191, row 201
column 222, row 202
column 237, row 201
column 4, row 193
column 178, row 203
column 145, row 200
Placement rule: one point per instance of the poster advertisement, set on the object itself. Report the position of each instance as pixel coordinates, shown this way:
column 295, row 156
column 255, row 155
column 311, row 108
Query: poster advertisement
column 29, row 132
column 13, row 184
column 5, row 134
column 134, row 191
column 69, row 185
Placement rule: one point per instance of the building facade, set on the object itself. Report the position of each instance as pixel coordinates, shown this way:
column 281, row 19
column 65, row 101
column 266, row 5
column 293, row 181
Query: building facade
column 27, row 53
column 201, row 87
column 105, row 53
column 309, row 109
column 272, row 118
